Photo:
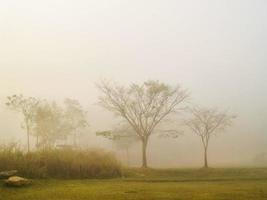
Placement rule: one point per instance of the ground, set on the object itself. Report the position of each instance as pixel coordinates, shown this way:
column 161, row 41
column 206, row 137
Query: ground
column 180, row 184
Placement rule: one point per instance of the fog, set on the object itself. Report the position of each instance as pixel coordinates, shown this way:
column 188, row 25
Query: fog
column 216, row 49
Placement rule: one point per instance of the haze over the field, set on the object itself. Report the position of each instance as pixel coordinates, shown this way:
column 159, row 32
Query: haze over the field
column 217, row 49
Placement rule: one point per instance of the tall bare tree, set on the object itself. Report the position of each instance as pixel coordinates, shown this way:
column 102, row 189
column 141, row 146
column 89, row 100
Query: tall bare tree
column 143, row 106
column 207, row 122
column 27, row 106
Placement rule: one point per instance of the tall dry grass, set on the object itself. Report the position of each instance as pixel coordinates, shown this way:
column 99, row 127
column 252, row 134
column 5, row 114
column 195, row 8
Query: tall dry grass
column 60, row 163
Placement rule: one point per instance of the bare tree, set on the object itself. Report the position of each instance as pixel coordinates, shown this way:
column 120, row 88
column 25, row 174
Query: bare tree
column 27, row 106
column 207, row 122
column 143, row 106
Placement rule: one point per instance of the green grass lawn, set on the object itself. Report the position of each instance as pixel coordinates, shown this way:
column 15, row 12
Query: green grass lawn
column 227, row 184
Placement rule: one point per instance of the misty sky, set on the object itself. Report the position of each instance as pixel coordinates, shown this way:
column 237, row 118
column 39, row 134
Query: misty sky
column 215, row 48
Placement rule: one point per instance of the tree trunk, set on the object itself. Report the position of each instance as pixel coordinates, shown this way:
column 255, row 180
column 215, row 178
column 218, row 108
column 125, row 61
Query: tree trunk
column 37, row 141
column 206, row 157
column 127, row 155
column 28, row 138
column 144, row 147
column 74, row 140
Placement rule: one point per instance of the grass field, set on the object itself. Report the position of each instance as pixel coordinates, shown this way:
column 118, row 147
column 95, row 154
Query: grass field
column 212, row 184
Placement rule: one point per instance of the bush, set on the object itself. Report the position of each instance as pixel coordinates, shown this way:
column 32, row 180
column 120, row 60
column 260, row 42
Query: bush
column 60, row 163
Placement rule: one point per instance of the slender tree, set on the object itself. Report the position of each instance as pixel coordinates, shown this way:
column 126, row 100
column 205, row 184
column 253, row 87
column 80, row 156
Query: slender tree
column 207, row 122
column 143, row 106
column 27, row 106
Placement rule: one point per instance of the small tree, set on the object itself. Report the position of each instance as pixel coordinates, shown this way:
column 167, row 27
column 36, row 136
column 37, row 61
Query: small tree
column 75, row 118
column 27, row 106
column 207, row 122
column 143, row 106
column 122, row 136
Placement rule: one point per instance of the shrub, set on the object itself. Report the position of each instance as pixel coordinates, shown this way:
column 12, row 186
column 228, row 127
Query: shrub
column 60, row 163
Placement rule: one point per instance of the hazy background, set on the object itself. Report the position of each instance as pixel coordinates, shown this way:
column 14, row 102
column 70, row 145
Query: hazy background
column 216, row 48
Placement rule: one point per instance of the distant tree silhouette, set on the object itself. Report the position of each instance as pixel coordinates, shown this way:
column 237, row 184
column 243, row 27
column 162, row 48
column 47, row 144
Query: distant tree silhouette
column 122, row 136
column 75, row 118
column 27, row 107
column 207, row 122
